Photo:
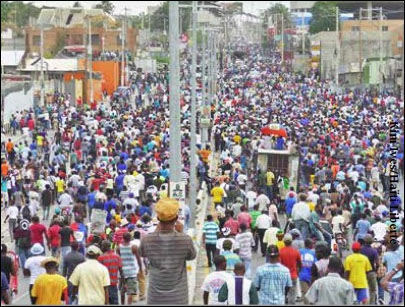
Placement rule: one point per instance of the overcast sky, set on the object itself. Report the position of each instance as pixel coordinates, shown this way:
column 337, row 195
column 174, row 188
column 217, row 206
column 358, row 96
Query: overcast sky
column 137, row 7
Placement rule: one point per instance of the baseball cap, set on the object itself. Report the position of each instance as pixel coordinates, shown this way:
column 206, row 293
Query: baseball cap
column 94, row 250
column 272, row 251
column 356, row 246
column 288, row 238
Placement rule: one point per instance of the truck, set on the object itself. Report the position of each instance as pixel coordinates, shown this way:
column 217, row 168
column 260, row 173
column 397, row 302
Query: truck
column 285, row 163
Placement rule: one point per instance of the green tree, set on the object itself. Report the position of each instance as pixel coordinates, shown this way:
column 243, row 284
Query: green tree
column 5, row 11
column 282, row 10
column 323, row 17
column 20, row 13
column 77, row 4
column 107, row 6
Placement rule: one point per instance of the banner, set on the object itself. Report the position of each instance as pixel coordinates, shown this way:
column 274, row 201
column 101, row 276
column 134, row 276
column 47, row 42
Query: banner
column 98, row 220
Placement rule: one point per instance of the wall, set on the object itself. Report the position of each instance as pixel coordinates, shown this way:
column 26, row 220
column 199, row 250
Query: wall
column 23, row 92
column 52, row 36
column 395, row 30
column 110, row 72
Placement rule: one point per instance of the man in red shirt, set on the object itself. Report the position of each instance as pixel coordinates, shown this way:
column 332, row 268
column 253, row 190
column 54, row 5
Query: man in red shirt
column 113, row 263
column 54, row 238
column 38, row 231
column 119, row 234
column 244, row 217
column 232, row 224
column 291, row 258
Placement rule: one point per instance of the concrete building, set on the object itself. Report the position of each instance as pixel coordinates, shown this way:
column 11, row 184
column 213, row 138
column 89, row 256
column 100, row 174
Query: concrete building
column 66, row 27
column 394, row 28
column 354, row 49
column 301, row 6
column 10, row 60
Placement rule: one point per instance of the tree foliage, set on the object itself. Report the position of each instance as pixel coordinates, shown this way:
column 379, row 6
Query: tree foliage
column 77, row 4
column 281, row 9
column 18, row 12
column 5, row 11
column 323, row 17
column 107, row 6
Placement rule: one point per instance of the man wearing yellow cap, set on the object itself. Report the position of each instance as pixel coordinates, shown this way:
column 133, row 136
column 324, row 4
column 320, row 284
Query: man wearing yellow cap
column 167, row 251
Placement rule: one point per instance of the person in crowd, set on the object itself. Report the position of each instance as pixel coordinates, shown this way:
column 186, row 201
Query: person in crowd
column 214, row 281
column 331, row 289
column 50, row 288
column 238, row 290
column 166, row 248
column 91, row 280
column 273, row 280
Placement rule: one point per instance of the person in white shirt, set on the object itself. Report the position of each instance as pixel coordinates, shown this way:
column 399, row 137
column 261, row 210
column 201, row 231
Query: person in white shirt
column 338, row 222
column 226, row 232
column 251, row 198
column 379, row 229
column 263, row 222
column 65, row 200
column 263, row 201
column 11, row 216
column 214, row 281
column 300, row 216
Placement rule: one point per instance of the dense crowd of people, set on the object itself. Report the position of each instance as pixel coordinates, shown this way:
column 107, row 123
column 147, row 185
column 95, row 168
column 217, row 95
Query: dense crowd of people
column 99, row 176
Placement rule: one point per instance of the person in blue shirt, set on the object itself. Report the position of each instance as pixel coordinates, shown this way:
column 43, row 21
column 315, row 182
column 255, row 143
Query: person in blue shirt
column 362, row 228
column 121, row 166
column 119, row 183
column 280, row 143
column 289, row 203
column 91, row 201
column 308, row 258
column 145, row 209
column 109, row 206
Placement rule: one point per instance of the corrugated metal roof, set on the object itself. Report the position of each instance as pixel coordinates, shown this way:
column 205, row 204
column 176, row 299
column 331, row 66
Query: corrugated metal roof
column 52, row 65
column 11, row 57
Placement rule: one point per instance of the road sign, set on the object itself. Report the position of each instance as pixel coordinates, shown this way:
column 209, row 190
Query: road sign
column 178, row 190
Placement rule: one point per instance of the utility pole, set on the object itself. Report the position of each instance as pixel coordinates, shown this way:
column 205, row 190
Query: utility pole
column 123, row 50
column 193, row 128
column 360, row 47
column 282, row 39
column 381, row 50
column 337, row 48
column 303, row 34
column 42, row 101
column 91, row 62
column 204, row 134
column 175, row 133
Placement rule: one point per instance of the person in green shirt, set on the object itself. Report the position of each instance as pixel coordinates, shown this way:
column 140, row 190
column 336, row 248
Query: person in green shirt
column 255, row 214
column 239, row 290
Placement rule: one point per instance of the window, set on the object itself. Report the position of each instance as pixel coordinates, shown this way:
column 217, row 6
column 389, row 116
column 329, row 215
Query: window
column 278, row 164
column 95, row 39
column 385, row 28
column 355, row 29
column 36, row 40
column 77, row 39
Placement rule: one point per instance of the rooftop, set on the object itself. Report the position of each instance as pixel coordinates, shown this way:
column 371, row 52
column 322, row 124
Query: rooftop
column 11, row 57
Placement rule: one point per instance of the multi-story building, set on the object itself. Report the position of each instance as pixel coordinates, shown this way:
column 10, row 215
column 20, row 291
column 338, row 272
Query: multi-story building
column 67, row 27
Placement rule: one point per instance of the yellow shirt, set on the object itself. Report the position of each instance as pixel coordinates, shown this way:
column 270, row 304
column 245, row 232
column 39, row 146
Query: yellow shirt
column 237, row 138
column 358, row 265
column 40, row 140
column 60, row 186
column 217, row 193
column 311, row 206
column 48, row 289
column 91, row 277
column 270, row 178
column 280, row 245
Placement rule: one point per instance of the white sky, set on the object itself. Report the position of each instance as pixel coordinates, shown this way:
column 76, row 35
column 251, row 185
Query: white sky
column 137, row 7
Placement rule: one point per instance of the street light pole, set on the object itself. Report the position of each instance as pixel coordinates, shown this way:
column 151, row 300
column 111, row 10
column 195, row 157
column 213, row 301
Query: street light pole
column 175, row 133
column 204, row 136
column 193, row 129
column 42, row 101
column 337, row 48
column 123, row 52
column 91, row 62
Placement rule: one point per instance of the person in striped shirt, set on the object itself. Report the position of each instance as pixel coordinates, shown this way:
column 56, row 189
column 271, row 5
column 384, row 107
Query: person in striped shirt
column 210, row 237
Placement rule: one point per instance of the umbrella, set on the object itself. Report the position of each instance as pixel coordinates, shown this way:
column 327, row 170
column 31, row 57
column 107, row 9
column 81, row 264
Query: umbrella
column 274, row 129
